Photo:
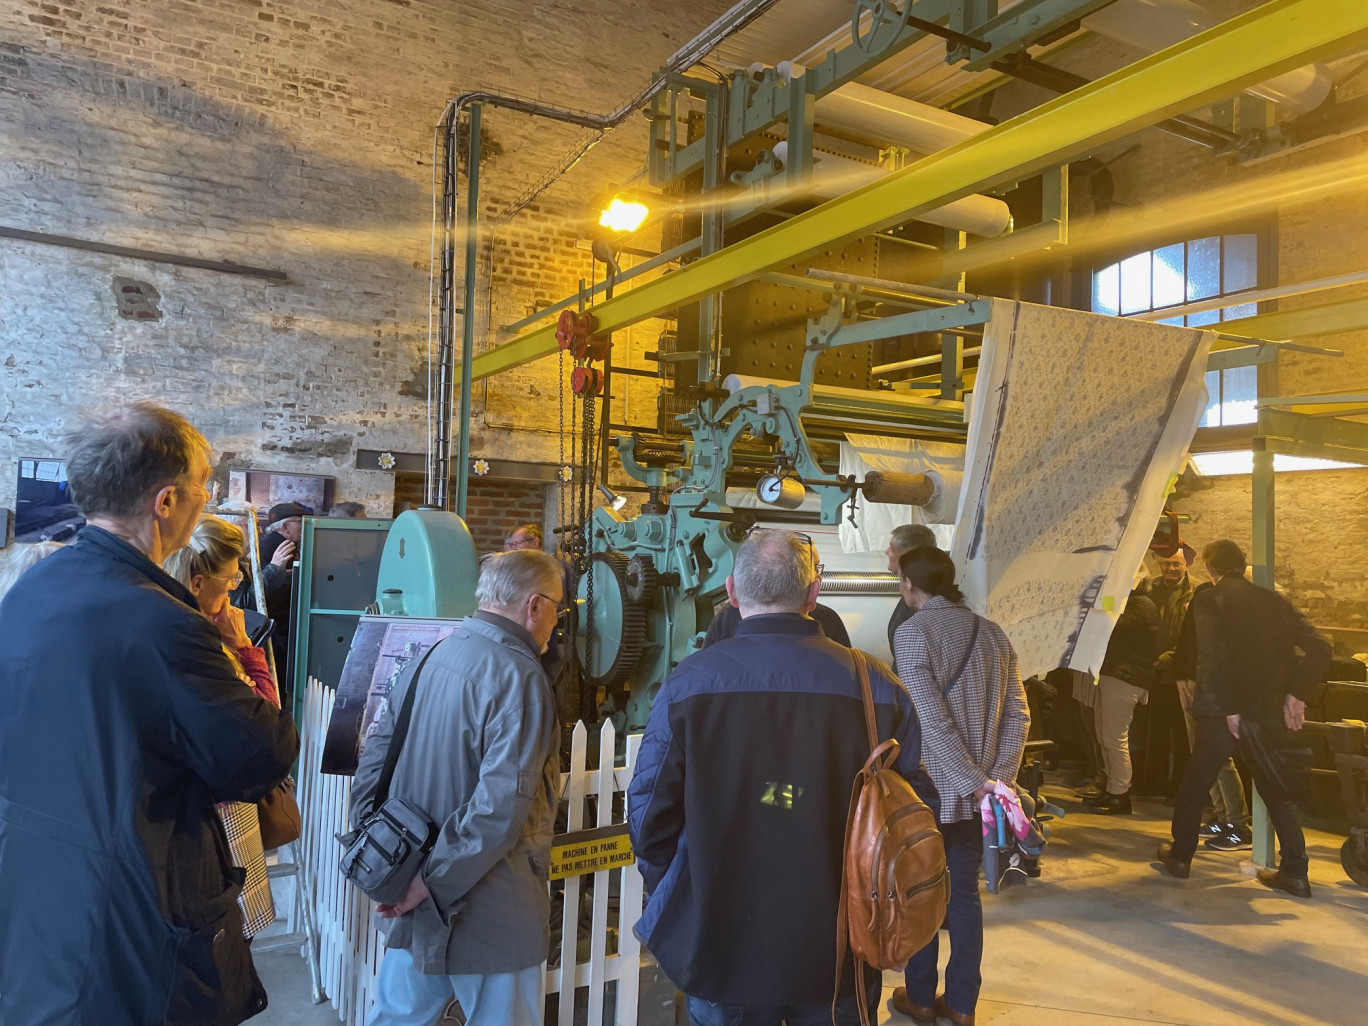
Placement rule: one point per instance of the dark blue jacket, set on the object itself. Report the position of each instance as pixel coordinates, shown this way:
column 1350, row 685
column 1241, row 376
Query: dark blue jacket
column 737, row 809
column 121, row 723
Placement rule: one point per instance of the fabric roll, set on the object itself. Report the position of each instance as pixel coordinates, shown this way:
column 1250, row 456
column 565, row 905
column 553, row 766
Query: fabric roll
column 944, row 505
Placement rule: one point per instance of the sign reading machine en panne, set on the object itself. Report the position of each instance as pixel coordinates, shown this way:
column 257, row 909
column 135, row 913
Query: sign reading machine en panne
column 589, row 851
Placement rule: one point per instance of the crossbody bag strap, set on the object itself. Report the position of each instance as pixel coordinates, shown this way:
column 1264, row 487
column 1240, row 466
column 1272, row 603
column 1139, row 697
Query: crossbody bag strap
column 867, row 695
column 401, row 726
column 973, row 638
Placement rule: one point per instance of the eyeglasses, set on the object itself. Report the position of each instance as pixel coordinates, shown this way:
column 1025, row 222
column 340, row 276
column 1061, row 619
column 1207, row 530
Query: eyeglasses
column 817, row 567
column 232, row 582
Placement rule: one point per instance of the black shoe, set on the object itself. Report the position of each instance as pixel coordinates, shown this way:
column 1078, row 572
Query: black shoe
column 1213, row 830
column 1298, row 887
column 1090, row 792
column 1234, row 839
column 1175, row 867
column 1110, row 805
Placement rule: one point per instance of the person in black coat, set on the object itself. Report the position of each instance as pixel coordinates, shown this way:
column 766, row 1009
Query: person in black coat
column 1249, row 679
column 1123, row 682
column 122, row 724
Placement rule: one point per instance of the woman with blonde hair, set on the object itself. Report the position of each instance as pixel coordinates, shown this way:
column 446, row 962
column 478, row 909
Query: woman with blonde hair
column 208, row 567
column 22, row 557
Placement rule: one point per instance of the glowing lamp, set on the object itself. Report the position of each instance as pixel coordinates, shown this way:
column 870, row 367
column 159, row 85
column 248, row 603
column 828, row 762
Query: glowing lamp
column 623, row 216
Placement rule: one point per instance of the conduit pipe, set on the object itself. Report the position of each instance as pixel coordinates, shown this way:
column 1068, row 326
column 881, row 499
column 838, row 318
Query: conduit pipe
column 1154, row 25
column 888, row 117
column 834, row 175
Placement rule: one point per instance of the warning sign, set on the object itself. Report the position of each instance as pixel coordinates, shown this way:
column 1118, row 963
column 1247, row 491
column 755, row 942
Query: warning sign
column 589, row 851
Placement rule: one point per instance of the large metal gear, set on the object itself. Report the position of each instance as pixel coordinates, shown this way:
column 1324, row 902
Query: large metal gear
column 618, row 623
column 643, row 579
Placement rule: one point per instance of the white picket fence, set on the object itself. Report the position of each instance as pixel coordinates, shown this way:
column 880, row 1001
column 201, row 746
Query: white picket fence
column 350, row 947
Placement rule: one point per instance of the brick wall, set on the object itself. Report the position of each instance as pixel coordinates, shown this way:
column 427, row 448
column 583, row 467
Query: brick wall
column 294, row 135
column 494, row 509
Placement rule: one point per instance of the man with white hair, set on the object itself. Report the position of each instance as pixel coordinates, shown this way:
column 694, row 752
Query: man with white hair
column 480, row 760
column 737, row 808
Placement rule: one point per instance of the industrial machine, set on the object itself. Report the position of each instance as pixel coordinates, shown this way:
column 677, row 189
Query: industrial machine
column 648, row 585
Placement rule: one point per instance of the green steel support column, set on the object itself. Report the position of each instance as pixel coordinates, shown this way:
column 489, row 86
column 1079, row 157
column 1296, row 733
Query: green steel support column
column 1263, row 561
column 472, row 243
column 1268, row 40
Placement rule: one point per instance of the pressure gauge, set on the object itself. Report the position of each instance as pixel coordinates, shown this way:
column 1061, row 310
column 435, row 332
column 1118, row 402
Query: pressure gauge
column 784, row 492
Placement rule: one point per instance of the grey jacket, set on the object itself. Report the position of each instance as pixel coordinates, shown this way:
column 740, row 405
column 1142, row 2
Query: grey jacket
column 481, row 760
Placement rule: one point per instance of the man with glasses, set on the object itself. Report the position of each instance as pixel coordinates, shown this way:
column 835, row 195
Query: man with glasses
column 481, row 761
column 123, row 723
column 726, row 616
column 737, row 809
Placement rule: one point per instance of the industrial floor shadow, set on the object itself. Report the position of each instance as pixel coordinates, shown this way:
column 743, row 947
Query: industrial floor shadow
column 1105, row 938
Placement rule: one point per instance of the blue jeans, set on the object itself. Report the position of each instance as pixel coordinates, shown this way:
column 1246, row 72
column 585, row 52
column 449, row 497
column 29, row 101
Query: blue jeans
column 708, row 1013
column 963, row 975
column 406, row 997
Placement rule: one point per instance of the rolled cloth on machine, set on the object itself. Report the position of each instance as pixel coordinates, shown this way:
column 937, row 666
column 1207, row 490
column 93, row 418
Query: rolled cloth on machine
column 943, row 506
column 874, row 521
column 898, row 489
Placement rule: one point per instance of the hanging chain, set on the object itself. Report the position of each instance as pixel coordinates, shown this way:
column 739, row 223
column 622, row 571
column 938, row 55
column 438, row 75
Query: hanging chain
column 560, row 467
column 586, row 521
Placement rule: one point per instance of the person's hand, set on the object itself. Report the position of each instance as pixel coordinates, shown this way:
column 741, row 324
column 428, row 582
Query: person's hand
column 1233, row 725
column 417, row 894
column 1164, row 661
column 988, row 788
column 284, row 554
column 1294, row 712
column 229, row 622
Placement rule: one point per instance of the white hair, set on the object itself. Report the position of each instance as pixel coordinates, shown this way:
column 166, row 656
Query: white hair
column 510, row 578
column 774, row 569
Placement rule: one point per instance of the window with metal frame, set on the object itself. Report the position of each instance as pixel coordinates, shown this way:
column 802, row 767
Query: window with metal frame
column 1186, row 272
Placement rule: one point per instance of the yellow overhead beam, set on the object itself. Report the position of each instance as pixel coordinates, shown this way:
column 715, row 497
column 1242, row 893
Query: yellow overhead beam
column 1298, row 323
column 1260, row 44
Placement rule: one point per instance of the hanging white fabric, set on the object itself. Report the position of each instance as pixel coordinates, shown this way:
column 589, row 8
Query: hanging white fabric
column 1078, row 427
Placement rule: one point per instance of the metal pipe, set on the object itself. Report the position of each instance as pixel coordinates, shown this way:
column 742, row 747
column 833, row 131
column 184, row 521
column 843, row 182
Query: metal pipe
column 920, row 361
column 834, row 175
column 888, row 117
column 690, row 53
column 1152, row 25
column 1253, row 296
column 472, row 244
column 897, row 287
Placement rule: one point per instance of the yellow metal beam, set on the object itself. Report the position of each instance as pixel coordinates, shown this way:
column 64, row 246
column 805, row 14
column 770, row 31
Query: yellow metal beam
column 1273, row 38
column 1302, row 322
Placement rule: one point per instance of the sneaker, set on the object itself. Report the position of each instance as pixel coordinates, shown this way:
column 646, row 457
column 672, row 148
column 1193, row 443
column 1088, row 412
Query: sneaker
column 1232, row 840
column 1213, row 830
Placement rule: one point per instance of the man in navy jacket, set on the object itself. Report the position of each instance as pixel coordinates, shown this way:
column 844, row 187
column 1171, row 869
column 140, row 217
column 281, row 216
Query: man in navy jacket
column 737, row 809
column 122, row 723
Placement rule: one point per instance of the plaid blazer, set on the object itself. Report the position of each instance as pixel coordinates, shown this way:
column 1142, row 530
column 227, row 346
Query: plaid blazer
column 976, row 732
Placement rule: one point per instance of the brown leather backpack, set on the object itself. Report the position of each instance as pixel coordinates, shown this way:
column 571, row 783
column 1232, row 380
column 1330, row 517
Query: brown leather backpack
column 894, row 885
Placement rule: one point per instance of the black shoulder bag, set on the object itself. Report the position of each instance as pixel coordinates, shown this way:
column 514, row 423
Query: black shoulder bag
column 385, row 853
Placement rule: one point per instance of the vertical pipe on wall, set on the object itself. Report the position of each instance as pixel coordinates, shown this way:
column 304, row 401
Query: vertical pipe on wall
column 472, row 242
column 436, row 487
column 1263, row 556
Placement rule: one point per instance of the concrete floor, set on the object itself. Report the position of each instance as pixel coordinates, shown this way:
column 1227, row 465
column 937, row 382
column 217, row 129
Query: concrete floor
column 1105, row 938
